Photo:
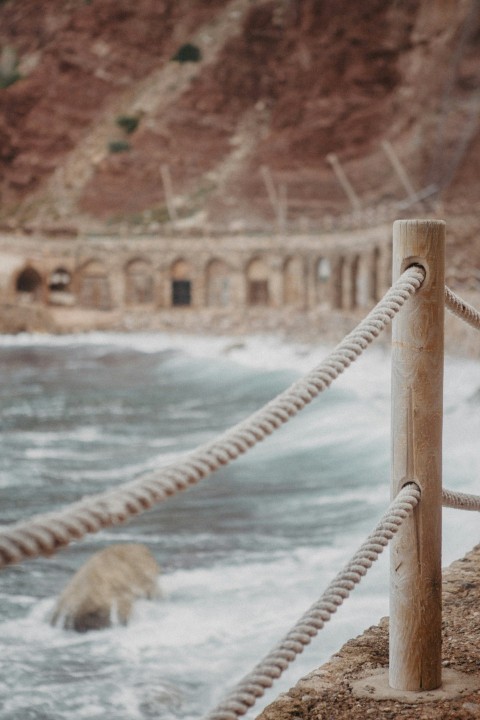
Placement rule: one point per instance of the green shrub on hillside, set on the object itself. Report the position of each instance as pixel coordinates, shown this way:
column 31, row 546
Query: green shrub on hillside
column 7, row 80
column 129, row 123
column 188, row 53
column 118, row 146
column 9, row 73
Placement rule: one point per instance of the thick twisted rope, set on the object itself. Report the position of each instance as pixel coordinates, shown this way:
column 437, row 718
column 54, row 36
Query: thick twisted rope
column 253, row 685
column 45, row 534
column 460, row 501
column 461, row 309
column 468, row 314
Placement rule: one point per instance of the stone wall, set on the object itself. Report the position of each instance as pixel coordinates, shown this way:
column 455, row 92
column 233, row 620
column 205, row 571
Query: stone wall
column 150, row 275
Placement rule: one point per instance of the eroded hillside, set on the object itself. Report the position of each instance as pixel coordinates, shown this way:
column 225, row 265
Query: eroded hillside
column 94, row 106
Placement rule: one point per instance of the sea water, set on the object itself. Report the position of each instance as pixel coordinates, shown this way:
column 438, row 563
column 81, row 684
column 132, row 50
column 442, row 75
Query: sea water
column 243, row 554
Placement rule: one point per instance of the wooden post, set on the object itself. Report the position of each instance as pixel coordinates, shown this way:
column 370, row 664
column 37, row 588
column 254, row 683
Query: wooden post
column 282, row 210
column 333, row 160
column 398, row 168
column 277, row 200
column 168, row 190
column 417, row 411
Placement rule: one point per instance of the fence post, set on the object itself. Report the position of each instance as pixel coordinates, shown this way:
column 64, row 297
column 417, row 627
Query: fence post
column 417, row 413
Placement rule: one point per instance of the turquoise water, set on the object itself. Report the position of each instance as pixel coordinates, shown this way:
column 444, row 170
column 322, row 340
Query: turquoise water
column 243, row 554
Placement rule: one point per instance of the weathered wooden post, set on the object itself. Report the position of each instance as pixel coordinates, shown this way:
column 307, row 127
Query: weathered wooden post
column 398, row 168
column 278, row 200
column 417, row 412
column 347, row 187
column 168, row 190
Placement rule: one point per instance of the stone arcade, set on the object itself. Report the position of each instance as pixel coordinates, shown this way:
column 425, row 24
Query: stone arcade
column 151, row 273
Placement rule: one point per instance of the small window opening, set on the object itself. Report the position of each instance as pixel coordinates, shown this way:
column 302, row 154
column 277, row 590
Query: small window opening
column 59, row 281
column 181, row 292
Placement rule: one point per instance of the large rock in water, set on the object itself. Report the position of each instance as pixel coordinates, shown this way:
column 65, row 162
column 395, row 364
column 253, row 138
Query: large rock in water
column 105, row 588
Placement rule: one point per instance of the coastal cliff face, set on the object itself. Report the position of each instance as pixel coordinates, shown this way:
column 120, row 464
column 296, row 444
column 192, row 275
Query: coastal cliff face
column 92, row 105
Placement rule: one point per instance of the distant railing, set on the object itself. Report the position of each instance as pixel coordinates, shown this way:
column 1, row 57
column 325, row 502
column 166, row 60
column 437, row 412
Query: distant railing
column 413, row 520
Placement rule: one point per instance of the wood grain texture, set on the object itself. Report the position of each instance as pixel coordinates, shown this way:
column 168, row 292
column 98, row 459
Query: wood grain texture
column 417, row 415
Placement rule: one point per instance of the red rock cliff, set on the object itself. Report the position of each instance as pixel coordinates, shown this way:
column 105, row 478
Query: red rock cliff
column 279, row 83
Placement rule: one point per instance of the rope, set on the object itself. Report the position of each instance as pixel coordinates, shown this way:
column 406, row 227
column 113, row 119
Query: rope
column 253, row 685
column 45, row 534
column 468, row 314
column 460, row 501
column 462, row 309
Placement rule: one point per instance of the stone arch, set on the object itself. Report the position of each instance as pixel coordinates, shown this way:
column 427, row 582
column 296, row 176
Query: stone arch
column 217, row 283
column 94, row 286
column 323, row 277
column 139, row 288
column 293, row 281
column 258, row 291
column 181, row 283
column 29, row 284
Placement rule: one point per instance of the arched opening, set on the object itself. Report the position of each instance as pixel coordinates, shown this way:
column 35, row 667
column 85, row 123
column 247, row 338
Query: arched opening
column 323, row 275
column 59, row 280
column 180, row 275
column 293, row 282
column 29, row 285
column 59, row 286
column 257, row 283
column 94, row 287
column 218, row 284
column 138, row 283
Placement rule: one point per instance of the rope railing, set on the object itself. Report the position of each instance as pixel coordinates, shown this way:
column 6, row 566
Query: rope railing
column 462, row 309
column 247, row 691
column 253, row 686
column 45, row 534
column 460, row 501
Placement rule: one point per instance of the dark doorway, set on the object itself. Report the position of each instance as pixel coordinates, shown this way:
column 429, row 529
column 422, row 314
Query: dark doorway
column 29, row 285
column 29, row 281
column 258, row 292
column 181, row 292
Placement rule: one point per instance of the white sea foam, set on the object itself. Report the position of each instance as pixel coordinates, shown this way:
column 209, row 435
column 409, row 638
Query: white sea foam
column 218, row 617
